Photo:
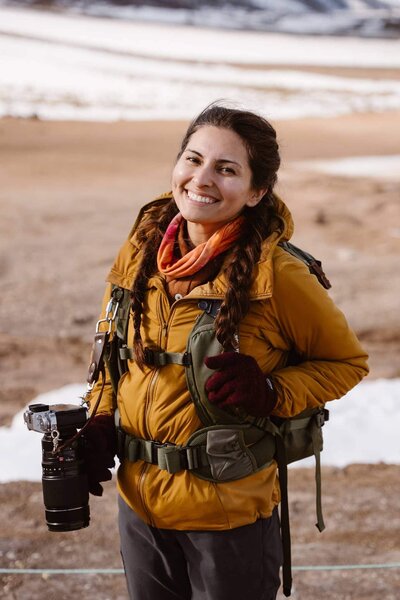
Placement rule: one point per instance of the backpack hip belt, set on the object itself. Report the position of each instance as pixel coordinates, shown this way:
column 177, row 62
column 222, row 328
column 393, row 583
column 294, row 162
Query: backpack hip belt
column 215, row 453
column 226, row 453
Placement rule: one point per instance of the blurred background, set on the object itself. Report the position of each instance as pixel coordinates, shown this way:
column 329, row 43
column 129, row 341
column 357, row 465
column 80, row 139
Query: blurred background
column 94, row 99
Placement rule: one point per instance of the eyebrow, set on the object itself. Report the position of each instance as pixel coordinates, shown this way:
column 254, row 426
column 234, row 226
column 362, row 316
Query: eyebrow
column 224, row 160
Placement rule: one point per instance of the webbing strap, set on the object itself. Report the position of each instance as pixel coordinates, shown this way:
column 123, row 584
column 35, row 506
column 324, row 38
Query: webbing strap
column 285, row 525
column 158, row 358
column 168, row 457
column 318, row 494
column 161, row 359
column 314, row 265
column 126, row 353
column 295, row 424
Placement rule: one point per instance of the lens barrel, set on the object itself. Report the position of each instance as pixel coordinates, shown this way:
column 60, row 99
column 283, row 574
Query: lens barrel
column 65, row 484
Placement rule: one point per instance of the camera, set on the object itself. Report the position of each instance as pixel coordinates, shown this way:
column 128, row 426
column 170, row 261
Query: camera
column 64, row 477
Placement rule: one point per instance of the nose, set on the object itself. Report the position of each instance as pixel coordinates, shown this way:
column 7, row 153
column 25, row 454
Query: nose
column 203, row 176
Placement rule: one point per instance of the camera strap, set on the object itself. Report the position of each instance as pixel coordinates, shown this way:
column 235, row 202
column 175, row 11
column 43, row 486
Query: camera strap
column 57, row 449
column 101, row 338
column 96, row 363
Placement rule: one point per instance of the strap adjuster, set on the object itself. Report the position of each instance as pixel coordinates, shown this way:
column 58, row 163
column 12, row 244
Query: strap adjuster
column 211, row 307
column 166, row 456
column 321, row 417
column 161, row 358
column 132, row 449
column 149, row 356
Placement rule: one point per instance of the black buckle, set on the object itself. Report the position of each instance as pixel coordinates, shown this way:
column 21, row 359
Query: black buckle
column 154, row 451
column 183, row 459
column 211, row 307
column 149, row 356
column 187, row 359
column 321, row 417
column 117, row 293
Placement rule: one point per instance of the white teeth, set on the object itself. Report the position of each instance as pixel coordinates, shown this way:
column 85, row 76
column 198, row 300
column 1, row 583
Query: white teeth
column 202, row 199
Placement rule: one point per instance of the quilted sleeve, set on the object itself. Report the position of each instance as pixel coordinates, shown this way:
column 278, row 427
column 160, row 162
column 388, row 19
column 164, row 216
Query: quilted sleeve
column 332, row 360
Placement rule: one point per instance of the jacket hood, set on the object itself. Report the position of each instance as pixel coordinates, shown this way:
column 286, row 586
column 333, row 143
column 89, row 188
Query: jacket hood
column 262, row 286
column 282, row 210
column 123, row 270
column 287, row 219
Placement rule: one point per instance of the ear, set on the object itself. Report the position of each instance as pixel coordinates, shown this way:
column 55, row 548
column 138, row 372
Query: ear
column 256, row 197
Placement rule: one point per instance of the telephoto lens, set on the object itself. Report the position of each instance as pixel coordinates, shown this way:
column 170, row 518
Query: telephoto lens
column 64, row 477
column 65, row 485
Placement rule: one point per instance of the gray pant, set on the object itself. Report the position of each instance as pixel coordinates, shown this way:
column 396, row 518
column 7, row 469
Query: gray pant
column 166, row 564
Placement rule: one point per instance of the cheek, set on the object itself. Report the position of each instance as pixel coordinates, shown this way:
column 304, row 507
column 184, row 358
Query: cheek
column 173, row 178
column 237, row 191
column 179, row 174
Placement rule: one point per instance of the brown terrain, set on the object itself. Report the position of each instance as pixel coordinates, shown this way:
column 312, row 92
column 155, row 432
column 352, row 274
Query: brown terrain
column 69, row 193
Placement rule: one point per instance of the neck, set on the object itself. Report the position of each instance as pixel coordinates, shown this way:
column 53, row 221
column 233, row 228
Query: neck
column 200, row 233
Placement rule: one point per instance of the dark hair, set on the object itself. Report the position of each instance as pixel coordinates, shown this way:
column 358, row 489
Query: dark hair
column 257, row 134
column 259, row 137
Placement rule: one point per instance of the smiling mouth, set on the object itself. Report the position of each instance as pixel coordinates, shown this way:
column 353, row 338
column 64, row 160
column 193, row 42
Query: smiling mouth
column 200, row 199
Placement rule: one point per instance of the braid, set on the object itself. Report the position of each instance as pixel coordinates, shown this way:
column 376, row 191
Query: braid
column 149, row 234
column 260, row 222
column 259, row 138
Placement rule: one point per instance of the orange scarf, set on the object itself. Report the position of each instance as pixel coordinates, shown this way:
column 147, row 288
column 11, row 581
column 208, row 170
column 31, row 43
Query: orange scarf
column 195, row 259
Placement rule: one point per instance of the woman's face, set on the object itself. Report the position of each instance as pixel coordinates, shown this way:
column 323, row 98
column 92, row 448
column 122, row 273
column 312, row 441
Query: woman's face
column 211, row 181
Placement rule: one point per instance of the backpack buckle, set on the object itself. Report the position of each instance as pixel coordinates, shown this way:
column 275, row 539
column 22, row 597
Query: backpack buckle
column 149, row 356
column 211, row 307
column 321, row 417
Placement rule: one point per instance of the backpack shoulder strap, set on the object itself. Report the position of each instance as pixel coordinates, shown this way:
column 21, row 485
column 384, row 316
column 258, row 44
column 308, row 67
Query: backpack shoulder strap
column 113, row 357
column 308, row 259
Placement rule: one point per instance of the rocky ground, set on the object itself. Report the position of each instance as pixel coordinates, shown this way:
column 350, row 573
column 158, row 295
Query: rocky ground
column 68, row 195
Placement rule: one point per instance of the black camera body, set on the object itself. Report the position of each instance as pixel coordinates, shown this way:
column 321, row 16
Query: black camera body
column 64, row 477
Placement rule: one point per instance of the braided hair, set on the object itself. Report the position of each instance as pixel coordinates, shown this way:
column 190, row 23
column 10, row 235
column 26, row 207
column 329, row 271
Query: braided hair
column 259, row 138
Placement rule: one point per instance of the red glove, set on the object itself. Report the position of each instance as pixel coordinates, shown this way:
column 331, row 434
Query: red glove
column 239, row 382
column 99, row 450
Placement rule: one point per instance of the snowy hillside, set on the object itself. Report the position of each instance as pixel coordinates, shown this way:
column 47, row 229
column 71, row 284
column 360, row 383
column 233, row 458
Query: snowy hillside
column 371, row 18
column 63, row 66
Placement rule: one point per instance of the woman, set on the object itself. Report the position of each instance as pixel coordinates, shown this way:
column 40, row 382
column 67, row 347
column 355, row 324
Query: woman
column 215, row 237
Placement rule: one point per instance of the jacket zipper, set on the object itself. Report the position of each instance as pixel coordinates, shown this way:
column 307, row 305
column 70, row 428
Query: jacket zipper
column 142, row 478
column 154, row 376
column 149, row 397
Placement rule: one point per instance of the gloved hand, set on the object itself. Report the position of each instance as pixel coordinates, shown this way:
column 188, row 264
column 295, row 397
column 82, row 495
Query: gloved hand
column 99, row 450
column 239, row 382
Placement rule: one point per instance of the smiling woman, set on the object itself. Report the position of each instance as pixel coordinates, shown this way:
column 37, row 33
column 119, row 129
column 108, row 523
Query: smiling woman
column 212, row 181
column 199, row 522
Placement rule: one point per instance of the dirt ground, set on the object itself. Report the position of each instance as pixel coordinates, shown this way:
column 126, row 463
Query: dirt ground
column 69, row 193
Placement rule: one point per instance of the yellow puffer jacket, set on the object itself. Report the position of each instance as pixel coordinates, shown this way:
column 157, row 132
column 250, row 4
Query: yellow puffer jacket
column 289, row 310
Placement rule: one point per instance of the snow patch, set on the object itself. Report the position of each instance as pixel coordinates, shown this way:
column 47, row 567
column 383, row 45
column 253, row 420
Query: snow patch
column 385, row 167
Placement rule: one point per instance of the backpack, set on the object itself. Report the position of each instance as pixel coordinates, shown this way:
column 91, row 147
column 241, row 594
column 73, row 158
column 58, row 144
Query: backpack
column 230, row 445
